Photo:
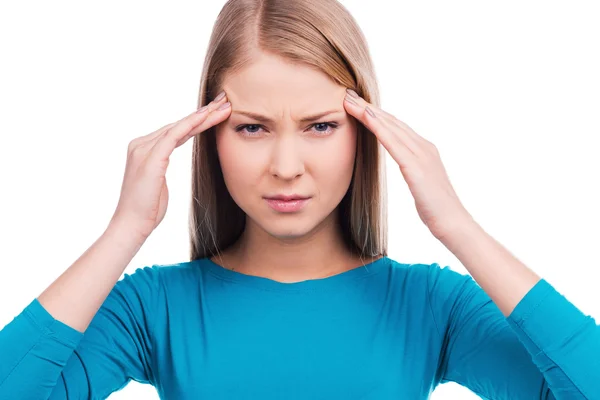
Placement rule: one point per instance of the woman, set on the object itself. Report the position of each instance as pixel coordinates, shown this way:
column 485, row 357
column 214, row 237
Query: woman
column 289, row 292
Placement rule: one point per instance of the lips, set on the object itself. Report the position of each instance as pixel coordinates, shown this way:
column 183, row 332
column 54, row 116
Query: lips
column 287, row 204
column 287, row 197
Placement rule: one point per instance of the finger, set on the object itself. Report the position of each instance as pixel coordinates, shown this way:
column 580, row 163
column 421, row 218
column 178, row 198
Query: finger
column 212, row 107
column 398, row 131
column 209, row 107
column 379, row 125
column 392, row 118
column 150, row 140
column 181, row 132
column 402, row 154
column 409, row 136
column 139, row 141
column 215, row 117
column 417, row 139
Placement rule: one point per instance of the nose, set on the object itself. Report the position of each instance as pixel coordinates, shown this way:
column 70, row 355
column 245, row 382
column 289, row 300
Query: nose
column 286, row 158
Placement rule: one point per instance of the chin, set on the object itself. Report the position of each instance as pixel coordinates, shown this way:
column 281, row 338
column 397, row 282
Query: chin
column 288, row 226
column 288, row 229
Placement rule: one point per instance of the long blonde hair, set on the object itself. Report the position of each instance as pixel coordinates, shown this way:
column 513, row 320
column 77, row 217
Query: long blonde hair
column 318, row 33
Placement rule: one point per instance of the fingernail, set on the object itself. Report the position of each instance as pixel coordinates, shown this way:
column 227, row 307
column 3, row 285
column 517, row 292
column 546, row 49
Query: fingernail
column 349, row 100
column 370, row 112
column 352, row 93
column 220, row 96
column 202, row 109
column 224, row 106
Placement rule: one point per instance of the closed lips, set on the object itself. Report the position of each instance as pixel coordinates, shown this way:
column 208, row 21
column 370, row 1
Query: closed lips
column 287, row 198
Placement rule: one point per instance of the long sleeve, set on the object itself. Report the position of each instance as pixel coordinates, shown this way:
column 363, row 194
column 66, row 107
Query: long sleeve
column 545, row 349
column 43, row 358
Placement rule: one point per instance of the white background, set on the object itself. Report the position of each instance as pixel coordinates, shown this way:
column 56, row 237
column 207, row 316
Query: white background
column 509, row 93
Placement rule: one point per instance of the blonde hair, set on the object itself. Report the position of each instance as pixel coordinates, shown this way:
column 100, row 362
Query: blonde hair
column 317, row 33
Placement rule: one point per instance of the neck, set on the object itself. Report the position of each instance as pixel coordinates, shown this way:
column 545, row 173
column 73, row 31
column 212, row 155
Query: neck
column 317, row 254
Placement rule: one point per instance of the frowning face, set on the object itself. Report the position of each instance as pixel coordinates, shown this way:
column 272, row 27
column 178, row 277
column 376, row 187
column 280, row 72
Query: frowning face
column 288, row 133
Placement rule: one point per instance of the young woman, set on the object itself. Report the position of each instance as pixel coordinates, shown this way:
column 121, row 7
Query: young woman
column 289, row 293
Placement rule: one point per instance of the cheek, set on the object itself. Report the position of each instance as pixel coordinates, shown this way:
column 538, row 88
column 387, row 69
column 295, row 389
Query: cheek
column 334, row 161
column 239, row 170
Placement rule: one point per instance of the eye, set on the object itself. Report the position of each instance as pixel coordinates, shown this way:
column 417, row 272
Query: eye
column 329, row 127
column 240, row 128
column 250, row 130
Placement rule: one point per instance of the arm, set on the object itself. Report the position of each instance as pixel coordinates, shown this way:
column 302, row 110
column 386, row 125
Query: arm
column 500, row 274
column 85, row 336
column 75, row 297
column 546, row 348
column 504, row 280
column 543, row 320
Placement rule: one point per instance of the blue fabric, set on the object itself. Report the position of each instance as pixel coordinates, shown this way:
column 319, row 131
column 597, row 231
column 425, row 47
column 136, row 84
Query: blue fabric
column 387, row 330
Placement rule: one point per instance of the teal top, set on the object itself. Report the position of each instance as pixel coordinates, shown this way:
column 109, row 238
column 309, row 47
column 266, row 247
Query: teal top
column 386, row 330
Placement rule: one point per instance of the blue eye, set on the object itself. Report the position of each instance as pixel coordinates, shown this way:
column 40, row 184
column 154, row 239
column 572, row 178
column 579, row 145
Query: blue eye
column 328, row 126
column 250, row 130
column 243, row 127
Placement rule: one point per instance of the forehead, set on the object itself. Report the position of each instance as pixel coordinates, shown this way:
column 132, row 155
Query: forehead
column 273, row 84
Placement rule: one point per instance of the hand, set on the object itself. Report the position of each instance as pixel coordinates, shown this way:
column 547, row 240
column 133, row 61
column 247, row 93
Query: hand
column 419, row 160
column 144, row 194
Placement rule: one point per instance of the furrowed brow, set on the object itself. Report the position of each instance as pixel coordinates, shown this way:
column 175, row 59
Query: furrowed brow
column 267, row 120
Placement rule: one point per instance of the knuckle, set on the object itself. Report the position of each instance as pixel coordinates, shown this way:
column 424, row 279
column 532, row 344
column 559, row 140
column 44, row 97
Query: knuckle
column 186, row 124
column 167, row 126
column 139, row 150
column 133, row 145
column 432, row 147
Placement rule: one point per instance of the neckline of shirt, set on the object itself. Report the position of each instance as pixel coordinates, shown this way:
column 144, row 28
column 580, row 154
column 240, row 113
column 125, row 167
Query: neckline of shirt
column 306, row 285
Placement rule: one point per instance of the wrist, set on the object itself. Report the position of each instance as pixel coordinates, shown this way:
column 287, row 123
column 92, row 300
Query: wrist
column 124, row 233
column 465, row 234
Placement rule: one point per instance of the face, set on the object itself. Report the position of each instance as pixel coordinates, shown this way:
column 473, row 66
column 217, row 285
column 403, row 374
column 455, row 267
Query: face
column 286, row 154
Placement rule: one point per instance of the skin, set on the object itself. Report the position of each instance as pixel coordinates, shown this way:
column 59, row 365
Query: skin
column 287, row 156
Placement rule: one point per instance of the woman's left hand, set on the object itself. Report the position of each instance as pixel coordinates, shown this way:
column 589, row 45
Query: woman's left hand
column 420, row 164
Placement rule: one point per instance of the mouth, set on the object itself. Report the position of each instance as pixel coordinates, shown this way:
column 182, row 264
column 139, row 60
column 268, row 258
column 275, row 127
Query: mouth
column 287, row 204
column 289, row 197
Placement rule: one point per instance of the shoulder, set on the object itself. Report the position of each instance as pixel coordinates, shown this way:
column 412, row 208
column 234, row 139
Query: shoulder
column 432, row 275
column 175, row 274
column 151, row 280
column 440, row 286
column 448, row 295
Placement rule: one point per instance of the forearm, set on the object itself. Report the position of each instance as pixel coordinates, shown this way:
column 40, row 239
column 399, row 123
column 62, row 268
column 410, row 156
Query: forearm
column 76, row 295
column 37, row 345
column 500, row 274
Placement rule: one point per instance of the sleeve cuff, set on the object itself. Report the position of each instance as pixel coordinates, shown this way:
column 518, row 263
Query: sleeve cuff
column 51, row 326
column 546, row 316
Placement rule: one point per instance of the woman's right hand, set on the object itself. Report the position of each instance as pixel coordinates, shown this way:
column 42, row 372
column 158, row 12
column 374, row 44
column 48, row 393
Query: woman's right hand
column 144, row 194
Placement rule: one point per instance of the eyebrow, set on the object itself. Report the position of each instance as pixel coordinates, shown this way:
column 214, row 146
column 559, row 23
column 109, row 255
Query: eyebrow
column 265, row 119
